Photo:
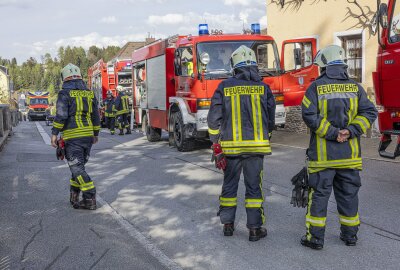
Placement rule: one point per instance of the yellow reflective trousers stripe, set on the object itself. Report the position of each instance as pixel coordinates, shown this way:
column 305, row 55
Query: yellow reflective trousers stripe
column 349, row 221
column 228, row 201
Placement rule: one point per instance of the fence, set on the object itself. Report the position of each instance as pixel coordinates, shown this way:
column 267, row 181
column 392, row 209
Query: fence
column 9, row 118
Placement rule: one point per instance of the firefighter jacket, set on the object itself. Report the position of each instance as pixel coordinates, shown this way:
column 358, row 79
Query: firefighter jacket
column 108, row 107
column 77, row 114
column 121, row 104
column 331, row 103
column 242, row 114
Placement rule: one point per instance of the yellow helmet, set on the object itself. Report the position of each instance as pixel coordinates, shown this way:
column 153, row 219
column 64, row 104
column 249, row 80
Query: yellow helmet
column 70, row 72
column 331, row 55
column 242, row 57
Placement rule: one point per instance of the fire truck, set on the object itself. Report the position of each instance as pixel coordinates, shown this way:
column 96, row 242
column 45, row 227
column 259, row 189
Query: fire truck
column 103, row 77
column 38, row 103
column 175, row 78
column 387, row 76
column 123, row 76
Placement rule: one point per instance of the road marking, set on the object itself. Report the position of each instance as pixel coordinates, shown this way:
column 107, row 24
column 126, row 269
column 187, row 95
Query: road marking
column 43, row 133
column 132, row 231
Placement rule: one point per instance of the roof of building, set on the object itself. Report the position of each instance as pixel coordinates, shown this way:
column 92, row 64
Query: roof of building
column 127, row 50
column 4, row 70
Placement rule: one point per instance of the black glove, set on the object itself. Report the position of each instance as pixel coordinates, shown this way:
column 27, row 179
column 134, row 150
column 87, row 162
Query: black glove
column 300, row 190
column 60, row 151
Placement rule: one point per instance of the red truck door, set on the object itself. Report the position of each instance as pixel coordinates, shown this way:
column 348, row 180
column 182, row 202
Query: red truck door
column 390, row 61
column 297, row 61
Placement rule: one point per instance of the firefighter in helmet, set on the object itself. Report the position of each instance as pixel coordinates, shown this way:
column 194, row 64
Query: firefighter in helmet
column 240, row 120
column 77, row 118
column 121, row 109
column 109, row 113
column 338, row 112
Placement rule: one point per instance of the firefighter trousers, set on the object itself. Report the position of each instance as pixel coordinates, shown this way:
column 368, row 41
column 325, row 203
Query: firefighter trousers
column 77, row 153
column 345, row 183
column 110, row 123
column 252, row 166
column 123, row 121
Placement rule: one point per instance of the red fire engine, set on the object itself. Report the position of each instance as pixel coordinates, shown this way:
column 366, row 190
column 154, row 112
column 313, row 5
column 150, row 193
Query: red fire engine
column 174, row 79
column 98, row 79
column 387, row 75
column 123, row 76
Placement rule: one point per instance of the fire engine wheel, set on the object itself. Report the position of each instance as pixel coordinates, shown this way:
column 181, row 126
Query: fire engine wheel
column 182, row 144
column 152, row 134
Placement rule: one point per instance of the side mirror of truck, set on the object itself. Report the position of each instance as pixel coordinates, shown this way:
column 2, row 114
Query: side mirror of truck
column 297, row 56
column 383, row 15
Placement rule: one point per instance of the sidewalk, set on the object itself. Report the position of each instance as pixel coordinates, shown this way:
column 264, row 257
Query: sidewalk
column 40, row 230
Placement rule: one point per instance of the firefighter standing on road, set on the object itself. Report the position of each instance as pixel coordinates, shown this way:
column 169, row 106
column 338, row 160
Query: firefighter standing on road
column 77, row 117
column 240, row 120
column 122, row 110
column 337, row 111
column 109, row 113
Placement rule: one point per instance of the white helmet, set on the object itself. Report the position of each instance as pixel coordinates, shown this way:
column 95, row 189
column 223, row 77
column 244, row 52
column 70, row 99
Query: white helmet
column 70, row 72
column 120, row 88
column 242, row 57
column 109, row 92
column 331, row 55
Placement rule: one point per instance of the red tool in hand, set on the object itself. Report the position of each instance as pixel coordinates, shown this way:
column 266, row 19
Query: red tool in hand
column 60, row 151
column 218, row 156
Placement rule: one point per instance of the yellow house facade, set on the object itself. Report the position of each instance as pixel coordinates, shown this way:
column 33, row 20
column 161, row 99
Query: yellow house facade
column 330, row 22
column 4, row 86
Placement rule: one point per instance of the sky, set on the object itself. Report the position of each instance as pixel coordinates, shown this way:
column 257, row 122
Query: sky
column 35, row 27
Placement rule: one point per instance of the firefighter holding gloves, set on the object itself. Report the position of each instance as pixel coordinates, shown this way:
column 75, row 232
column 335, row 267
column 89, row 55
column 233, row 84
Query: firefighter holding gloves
column 338, row 112
column 77, row 117
column 109, row 113
column 241, row 117
column 121, row 110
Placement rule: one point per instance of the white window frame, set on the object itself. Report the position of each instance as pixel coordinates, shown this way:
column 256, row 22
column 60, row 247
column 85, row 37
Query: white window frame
column 337, row 40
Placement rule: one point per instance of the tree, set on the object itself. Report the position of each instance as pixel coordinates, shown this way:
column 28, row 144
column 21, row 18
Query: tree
column 363, row 16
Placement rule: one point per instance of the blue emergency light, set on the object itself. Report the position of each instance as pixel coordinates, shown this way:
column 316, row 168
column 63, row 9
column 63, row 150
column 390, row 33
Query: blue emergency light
column 203, row 29
column 255, row 28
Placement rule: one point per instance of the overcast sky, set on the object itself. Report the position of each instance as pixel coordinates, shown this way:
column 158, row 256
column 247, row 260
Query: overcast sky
column 34, row 27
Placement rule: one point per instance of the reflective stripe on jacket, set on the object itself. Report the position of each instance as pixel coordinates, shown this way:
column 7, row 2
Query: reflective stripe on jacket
column 121, row 104
column 108, row 104
column 331, row 103
column 77, row 112
column 242, row 114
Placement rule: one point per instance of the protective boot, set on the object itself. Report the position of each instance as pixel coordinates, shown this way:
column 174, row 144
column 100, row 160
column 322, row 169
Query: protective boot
column 128, row 131
column 112, row 132
column 121, row 132
column 88, row 204
column 313, row 243
column 349, row 241
column 74, row 198
column 228, row 229
column 256, row 234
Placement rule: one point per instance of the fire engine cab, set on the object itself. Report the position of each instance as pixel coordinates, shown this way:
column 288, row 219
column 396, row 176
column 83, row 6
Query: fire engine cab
column 175, row 78
column 387, row 75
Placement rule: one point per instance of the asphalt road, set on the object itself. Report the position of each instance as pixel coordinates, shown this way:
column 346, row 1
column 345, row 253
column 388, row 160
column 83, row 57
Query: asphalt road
column 158, row 210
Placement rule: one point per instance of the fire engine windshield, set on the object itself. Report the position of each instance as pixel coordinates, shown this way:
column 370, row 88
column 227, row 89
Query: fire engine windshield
column 37, row 101
column 220, row 55
column 395, row 24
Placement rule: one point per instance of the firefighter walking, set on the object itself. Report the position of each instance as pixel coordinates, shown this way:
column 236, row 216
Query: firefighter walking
column 240, row 120
column 109, row 113
column 122, row 111
column 338, row 112
column 77, row 117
